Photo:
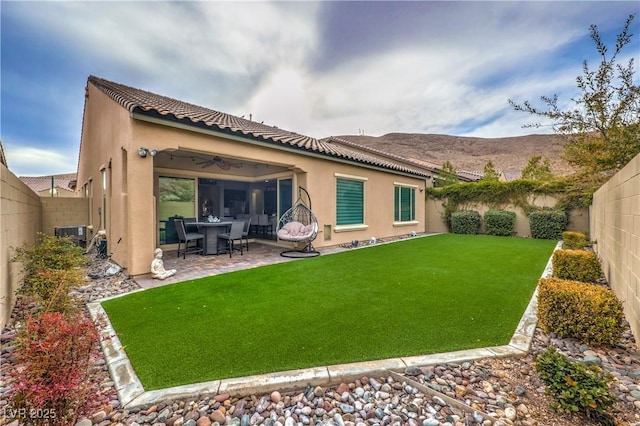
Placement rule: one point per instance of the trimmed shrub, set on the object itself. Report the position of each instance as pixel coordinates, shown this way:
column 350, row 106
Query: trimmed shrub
column 499, row 222
column 574, row 240
column 465, row 222
column 547, row 224
column 56, row 353
column 587, row 312
column 50, row 269
column 576, row 387
column 577, row 265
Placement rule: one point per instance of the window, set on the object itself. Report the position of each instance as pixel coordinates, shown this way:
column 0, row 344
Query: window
column 176, row 198
column 349, row 202
column 404, row 204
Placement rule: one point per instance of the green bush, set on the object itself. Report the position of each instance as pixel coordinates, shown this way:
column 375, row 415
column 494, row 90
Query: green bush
column 49, row 269
column 547, row 224
column 465, row 222
column 499, row 222
column 574, row 240
column 576, row 387
column 587, row 312
column 577, row 265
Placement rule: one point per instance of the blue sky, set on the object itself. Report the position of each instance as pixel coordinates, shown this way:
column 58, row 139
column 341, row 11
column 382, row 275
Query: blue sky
column 317, row 68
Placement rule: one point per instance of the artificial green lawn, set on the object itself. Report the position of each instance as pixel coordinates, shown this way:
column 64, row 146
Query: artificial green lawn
column 416, row 296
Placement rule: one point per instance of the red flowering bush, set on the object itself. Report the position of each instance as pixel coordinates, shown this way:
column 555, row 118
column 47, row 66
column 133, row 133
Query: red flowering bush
column 55, row 353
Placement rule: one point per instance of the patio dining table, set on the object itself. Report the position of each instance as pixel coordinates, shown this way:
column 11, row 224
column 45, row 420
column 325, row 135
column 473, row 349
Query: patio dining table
column 211, row 230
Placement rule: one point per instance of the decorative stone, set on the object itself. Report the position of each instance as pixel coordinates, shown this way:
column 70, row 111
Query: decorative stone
column 217, row 416
column 342, row 388
column 98, row 417
column 412, row 371
column 203, row 421
column 276, row 397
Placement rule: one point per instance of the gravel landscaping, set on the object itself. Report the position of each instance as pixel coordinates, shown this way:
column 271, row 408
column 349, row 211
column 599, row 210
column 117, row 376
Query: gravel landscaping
column 503, row 391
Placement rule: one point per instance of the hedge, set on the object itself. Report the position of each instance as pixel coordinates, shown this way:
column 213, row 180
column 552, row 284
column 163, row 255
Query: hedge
column 465, row 222
column 574, row 240
column 547, row 224
column 588, row 312
column 578, row 265
column 499, row 222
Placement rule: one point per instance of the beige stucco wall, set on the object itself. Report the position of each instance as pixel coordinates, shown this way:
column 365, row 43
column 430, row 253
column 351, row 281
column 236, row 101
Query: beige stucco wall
column 64, row 211
column 111, row 138
column 578, row 218
column 615, row 225
column 20, row 222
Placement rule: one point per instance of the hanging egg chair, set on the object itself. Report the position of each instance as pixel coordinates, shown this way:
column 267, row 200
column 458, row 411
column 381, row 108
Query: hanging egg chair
column 299, row 225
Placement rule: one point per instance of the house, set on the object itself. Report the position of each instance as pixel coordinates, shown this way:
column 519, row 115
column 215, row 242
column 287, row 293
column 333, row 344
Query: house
column 146, row 158
column 510, row 175
column 52, row 186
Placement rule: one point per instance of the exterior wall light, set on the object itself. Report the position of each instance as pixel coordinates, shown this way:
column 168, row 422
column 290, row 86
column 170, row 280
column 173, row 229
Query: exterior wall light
column 142, row 152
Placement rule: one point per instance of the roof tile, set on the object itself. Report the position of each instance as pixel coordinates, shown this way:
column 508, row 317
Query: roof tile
column 141, row 101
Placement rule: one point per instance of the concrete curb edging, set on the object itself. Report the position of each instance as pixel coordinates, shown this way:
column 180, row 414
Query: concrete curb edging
column 132, row 394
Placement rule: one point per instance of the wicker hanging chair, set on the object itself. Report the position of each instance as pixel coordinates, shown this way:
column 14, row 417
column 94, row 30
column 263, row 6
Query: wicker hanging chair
column 299, row 225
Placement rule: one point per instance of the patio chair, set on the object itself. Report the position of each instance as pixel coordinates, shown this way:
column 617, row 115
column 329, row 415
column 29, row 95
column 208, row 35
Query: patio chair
column 184, row 237
column 300, row 226
column 265, row 226
column 245, row 232
column 233, row 235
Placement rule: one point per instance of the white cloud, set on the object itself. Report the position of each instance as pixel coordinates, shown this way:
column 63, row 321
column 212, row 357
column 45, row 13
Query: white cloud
column 27, row 161
column 453, row 73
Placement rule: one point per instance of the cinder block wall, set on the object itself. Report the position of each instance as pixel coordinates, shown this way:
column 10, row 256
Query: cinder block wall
column 615, row 225
column 20, row 222
column 63, row 211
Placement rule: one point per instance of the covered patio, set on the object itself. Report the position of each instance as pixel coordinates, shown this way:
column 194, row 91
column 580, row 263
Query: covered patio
column 199, row 186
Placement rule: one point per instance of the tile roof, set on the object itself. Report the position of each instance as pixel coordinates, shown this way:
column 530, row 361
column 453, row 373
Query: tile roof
column 154, row 105
column 511, row 175
column 417, row 163
column 43, row 183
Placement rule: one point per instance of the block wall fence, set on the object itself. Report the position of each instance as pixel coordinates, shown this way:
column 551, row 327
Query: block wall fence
column 615, row 226
column 23, row 214
column 20, row 222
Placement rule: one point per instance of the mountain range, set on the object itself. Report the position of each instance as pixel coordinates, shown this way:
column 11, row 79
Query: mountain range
column 508, row 154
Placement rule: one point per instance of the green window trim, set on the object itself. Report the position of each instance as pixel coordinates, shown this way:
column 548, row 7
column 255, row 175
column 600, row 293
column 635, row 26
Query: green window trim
column 349, row 202
column 404, row 205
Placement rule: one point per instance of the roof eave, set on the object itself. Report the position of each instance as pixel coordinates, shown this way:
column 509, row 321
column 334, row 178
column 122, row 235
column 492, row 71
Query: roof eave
column 170, row 120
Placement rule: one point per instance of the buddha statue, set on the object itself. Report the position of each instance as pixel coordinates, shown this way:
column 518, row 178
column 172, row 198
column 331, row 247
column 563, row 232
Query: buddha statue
column 157, row 266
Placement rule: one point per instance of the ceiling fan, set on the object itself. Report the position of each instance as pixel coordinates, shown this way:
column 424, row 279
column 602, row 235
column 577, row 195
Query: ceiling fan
column 221, row 163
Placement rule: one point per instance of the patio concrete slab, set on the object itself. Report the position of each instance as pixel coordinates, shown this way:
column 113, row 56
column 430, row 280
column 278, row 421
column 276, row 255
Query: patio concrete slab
column 131, row 393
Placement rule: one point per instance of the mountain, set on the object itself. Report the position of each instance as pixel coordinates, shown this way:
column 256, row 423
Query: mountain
column 470, row 153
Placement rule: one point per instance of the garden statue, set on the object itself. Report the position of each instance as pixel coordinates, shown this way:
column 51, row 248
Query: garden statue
column 157, row 266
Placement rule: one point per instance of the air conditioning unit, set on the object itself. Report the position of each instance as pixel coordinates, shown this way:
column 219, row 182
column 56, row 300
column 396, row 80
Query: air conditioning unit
column 78, row 234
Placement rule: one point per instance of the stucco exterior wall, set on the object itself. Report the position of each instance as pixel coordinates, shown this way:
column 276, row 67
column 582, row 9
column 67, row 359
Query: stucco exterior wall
column 104, row 151
column 111, row 138
column 615, row 226
column 20, row 222
column 578, row 218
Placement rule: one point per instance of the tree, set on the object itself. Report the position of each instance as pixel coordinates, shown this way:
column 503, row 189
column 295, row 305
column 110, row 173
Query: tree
column 490, row 174
column 538, row 169
column 448, row 175
column 602, row 130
